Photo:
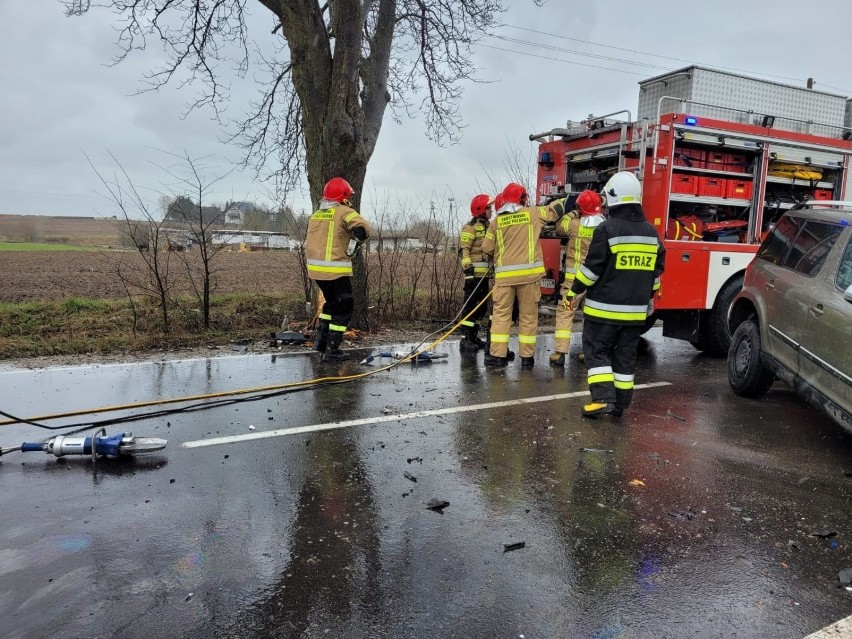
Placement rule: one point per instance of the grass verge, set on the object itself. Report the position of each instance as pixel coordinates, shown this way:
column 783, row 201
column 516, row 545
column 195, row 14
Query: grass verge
column 78, row 325
column 36, row 246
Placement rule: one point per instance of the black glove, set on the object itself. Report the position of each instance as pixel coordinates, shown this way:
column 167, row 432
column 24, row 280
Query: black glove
column 468, row 271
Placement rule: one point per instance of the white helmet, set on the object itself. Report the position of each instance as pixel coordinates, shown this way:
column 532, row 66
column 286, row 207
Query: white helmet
column 623, row 188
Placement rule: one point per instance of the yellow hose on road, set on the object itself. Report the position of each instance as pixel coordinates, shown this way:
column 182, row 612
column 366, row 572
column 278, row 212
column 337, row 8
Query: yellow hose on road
column 244, row 391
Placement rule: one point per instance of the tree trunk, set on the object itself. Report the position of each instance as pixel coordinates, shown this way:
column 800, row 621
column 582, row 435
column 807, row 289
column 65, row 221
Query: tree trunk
column 340, row 130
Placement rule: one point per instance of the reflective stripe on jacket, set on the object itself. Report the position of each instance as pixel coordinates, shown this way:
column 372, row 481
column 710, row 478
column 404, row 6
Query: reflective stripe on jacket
column 470, row 246
column 329, row 233
column 513, row 241
column 622, row 268
column 578, row 229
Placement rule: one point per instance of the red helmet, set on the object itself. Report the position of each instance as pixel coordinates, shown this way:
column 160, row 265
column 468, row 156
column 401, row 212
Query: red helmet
column 498, row 202
column 479, row 205
column 589, row 203
column 514, row 193
column 337, row 190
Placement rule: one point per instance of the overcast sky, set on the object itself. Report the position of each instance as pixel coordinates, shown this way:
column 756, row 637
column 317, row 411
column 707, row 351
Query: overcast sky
column 60, row 98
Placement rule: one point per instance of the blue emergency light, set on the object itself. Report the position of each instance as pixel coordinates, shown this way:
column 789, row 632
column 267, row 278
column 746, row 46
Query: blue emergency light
column 691, row 120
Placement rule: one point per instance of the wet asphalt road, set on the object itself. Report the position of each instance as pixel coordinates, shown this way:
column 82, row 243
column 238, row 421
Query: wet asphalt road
column 321, row 534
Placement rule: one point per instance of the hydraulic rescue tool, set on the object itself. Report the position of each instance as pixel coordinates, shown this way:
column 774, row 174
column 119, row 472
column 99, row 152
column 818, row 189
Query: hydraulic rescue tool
column 119, row 445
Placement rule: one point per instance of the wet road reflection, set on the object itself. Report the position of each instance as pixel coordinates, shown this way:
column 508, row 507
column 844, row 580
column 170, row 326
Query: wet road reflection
column 693, row 516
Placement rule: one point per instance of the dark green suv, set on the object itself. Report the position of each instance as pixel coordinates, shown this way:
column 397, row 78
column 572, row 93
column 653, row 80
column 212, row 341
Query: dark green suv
column 793, row 318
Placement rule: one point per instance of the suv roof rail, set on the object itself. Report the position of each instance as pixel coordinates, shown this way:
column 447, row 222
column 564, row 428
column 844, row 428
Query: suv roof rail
column 821, row 203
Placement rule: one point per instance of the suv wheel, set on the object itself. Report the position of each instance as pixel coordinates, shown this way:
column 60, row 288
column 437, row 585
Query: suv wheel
column 747, row 374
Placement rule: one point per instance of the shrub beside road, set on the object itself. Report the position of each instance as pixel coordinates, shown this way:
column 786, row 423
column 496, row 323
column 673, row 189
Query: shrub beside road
column 66, row 302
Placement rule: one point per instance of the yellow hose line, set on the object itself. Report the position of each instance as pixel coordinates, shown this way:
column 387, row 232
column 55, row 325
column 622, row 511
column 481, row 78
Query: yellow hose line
column 243, row 391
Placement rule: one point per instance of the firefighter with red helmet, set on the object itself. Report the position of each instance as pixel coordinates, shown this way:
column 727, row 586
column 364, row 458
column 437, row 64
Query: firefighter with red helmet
column 620, row 275
column 513, row 242
column 475, row 266
column 330, row 230
column 576, row 227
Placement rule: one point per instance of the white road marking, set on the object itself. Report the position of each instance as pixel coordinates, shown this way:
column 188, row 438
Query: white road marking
column 838, row 630
column 281, row 432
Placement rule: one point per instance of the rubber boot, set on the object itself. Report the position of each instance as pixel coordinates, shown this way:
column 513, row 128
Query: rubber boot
column 527, row 362
column 557, row 359
column 467, row 346
column 333, row 353
column 595, row 408
column 491, row 360
column 474, row 337
column 321, row 336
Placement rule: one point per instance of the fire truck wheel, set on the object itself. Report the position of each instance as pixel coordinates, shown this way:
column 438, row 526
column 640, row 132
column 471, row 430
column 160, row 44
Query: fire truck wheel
column 714, row 337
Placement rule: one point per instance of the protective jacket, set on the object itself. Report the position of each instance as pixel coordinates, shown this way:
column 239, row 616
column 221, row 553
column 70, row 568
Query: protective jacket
column 329, row 232
column 622, row 269
column 513, row 241
column 470, row 246
column 578, row 229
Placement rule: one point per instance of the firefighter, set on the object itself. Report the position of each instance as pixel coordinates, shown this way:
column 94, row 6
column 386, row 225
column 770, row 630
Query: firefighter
column 475, row 267
column 513, row 242
column 577, row 227
column 620, row 275
column 330, row 230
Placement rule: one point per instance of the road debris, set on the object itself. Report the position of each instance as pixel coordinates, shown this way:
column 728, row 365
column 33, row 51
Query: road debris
column 287, row 337
column 637, row 482
column 673, row 415
column 823, row 533
column 682, row 515
column 409, row 477
column 516, row 545
column 437, row 505
column 845, row 576
column 596, row 450
column 414, row 459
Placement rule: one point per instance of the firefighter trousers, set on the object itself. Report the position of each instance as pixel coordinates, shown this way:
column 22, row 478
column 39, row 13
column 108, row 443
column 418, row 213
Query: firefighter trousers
column 503, row 298
column 610, row 351
column 565, row 318
column 475, row 290
column 337, row 310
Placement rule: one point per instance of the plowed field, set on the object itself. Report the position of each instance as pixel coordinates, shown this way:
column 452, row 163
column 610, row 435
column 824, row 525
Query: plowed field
column 95, row 274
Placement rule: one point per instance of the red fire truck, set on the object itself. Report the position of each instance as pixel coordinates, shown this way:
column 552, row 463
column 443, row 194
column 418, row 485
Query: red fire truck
column 720, row 157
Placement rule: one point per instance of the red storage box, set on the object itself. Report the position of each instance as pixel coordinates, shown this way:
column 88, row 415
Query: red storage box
column 822, row 194
column 693, row 158
column 717, row 161
column 684, row 184
column 711, row 187
column 736, row 163
column 739, row 189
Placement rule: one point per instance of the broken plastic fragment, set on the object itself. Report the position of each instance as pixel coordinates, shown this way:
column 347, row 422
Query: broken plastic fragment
column 517, row 545
column 437, row 504
column 636, row 482
column 823, row 533
column 409, row 476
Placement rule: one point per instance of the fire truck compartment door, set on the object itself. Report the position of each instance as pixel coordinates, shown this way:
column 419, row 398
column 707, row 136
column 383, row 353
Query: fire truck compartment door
column 684, row 282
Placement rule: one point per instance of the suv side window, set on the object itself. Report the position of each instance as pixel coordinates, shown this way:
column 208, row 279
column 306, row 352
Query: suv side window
column 774, row 249
column 844, row 272
column 812, row 245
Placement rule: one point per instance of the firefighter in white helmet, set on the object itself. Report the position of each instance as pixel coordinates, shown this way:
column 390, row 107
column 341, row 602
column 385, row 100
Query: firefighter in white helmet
column 330, row 230
column 475, row 266
column 577, row 227
column 513, row 242
column 620, row 275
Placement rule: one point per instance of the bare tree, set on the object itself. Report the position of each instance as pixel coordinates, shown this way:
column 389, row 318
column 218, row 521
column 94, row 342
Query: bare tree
column 337, row 67
column 190, row 175
column 143, row 230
